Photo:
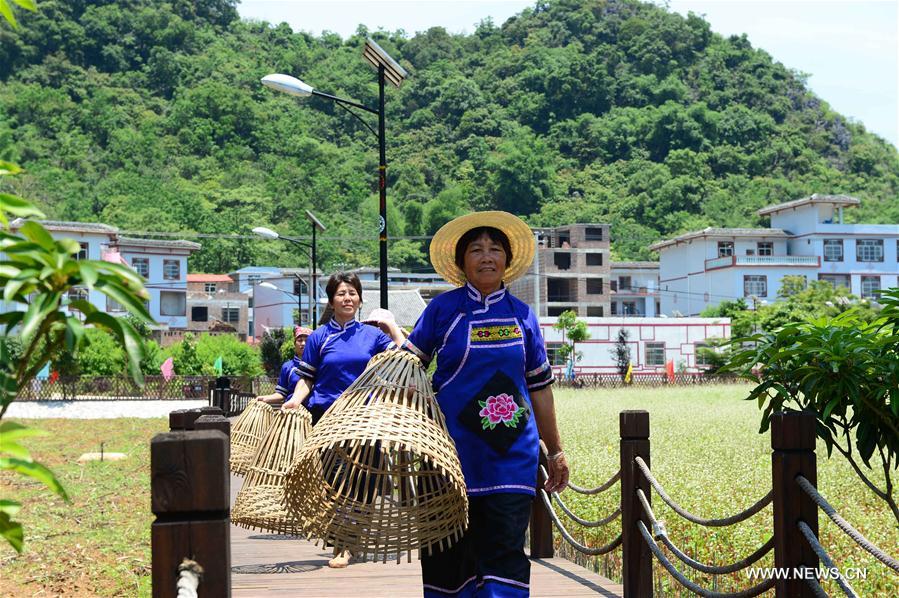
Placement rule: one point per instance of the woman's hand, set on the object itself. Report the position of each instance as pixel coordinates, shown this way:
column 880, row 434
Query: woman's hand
column 557, row 466
column 291, row 404
column 386, row 321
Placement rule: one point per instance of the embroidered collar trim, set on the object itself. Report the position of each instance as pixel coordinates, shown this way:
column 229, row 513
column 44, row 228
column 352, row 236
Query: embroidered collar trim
column 335, row 325
column 475, row 295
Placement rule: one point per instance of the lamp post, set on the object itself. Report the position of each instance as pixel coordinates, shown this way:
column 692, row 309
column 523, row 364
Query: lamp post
column 268, row 233
column 269, row 285
column 388, row 70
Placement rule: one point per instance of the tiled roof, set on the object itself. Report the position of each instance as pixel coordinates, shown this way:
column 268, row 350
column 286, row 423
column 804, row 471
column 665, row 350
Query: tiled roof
column 405, row 305
column 63, row 226
column 169, row 243
column 208, row 278
column 841, row 200
column 722, row 232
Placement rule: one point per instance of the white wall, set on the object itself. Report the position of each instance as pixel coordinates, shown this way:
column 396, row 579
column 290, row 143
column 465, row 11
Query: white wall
column 679, row 335
column 157, row 284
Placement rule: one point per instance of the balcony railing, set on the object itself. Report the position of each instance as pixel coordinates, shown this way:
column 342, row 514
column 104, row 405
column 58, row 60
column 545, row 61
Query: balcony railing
column 634, row 290
column 802, row 261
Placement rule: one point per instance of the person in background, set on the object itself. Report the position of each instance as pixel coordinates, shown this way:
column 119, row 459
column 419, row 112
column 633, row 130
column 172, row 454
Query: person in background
column 337, row 353
column 290, row 373
column 493, row 385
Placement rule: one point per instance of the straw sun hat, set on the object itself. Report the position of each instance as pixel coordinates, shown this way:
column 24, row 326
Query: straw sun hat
column 521, row 239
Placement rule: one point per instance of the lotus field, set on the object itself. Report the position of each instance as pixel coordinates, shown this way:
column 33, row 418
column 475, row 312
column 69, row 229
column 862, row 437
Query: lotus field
column 709, row 457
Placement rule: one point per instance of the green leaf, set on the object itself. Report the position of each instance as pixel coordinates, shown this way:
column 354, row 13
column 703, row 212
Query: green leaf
column 88, row 273
column 6, row 12
column 7, row 168
column 27, row 4
column 14, row 431
column 38, row 311
column 17, row 206
column 36, row 233
column 11, row 530
column 34, row 470
column 9, row 506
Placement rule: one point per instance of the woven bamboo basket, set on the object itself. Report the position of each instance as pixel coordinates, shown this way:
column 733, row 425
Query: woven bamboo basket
column 380, row 475
column 246, row 433
column 259, row 503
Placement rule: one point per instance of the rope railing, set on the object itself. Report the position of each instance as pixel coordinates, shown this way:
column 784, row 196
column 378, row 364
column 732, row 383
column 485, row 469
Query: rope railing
column 601, row 488
column 816, row 588
column 742, row 516
column 693, row 587
column 596, row 551
column 189, row 575
column 845, row 526
column 575, row 518
column 660, row 533
column 825, row 558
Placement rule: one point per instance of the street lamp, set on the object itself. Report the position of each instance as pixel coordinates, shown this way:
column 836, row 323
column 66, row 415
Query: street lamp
column 388, row 70
column 267, row 233
column 269, row 285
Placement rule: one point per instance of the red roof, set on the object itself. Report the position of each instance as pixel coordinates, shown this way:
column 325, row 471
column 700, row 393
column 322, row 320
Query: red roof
column 208, row 278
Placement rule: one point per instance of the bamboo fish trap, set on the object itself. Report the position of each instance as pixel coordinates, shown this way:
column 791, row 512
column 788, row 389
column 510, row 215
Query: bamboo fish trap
column 258, row 504
column 247, row 433
column 380, row 475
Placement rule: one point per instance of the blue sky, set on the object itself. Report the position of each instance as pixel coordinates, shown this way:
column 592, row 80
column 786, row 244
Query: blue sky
column 849, row 48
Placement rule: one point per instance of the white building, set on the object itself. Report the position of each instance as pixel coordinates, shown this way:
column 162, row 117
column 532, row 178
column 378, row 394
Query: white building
column 807, row 237
column 274, row 294
column 634, row 289
column 162, row 262
column 652, row 343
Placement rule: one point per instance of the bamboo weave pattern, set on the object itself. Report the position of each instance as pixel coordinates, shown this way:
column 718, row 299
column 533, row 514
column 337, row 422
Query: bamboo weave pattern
column 247, row 433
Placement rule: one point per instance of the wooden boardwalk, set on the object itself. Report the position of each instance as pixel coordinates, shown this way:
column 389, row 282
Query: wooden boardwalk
column 264, row 564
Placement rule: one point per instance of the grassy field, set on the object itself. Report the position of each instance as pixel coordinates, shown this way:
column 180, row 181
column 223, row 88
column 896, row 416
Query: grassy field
column 708, row 455
column 99, row 545
column 705, row 450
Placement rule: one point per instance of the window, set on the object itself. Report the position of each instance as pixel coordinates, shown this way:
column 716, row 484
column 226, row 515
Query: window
column 833, row 250
column 555, row 312
column 594, row 286
column 209, row 287
column 564, row 238
column 750, row 252
column 624, row 283
column 869, row 250
column 836, row 280
column 725, row 248
column 171, row 270
column 629, row 308
column 655, row 354
column 870, row 287
column 765, row 248
column 553, row 356
column 613, row 286
column 172, row 303
column 141, row 265
column 113, row 306
column 702, row 354
column 755, row 285
column 593, row 234
column 562, row 260
column 83, row 252
column 614, row 308
column 199, row 313
column 594, row 259
column 299, row 286
column 658, row 308
column 594, row 311
column 231, row 315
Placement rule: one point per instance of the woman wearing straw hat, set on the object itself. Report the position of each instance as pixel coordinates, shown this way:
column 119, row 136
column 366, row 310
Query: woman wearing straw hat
column 290, row 370
column 337, row 353
column 493, row 385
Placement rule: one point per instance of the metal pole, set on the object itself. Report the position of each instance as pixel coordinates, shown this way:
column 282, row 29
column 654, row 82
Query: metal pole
column 313, row 309
column 299, row 299
column 382, row 186
column 537, row 279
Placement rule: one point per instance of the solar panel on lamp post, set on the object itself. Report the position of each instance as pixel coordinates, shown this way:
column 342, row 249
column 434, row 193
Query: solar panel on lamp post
column 388, row 70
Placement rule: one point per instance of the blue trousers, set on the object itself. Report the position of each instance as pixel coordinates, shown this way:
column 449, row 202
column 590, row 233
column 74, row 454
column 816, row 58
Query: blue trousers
column 489, row 560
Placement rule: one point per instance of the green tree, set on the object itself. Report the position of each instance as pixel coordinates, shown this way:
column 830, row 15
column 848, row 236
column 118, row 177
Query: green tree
column 843, row 369
column 573, row 331
column 622, row 353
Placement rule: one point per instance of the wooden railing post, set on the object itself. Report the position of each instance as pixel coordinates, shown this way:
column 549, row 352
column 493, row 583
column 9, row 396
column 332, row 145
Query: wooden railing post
column 541, row 524
column 793, row 454
column 214, row 422
column 635, row 554
column 190, row 488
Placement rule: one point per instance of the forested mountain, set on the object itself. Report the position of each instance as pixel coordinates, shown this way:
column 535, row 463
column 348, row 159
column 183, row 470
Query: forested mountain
column 150, row 116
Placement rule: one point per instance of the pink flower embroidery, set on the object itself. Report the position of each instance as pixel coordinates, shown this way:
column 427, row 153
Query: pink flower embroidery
column 501, row 409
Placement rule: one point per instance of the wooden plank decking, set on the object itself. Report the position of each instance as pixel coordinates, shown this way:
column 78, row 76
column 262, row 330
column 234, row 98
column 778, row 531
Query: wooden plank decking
column 264, row 564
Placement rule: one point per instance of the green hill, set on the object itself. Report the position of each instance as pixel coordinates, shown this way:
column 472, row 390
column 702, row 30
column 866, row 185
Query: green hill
column 150, row 116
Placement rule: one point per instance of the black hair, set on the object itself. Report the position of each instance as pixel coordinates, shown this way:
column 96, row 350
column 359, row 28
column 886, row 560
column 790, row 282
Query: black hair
column 494, row 234
column 342, row 277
